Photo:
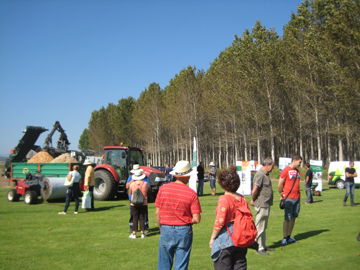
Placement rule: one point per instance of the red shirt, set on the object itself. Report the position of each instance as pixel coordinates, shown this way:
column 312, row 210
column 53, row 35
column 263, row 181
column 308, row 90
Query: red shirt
column 289, row 175
column 177, row 203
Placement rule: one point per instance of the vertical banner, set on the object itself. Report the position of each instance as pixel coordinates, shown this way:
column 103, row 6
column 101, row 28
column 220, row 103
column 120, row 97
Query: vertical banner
column 193, row 178
column 246, row 172
column 283, row 162
column 316, row 167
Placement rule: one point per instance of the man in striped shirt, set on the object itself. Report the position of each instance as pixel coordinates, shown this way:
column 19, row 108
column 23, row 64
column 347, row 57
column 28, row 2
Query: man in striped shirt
column 177, row 209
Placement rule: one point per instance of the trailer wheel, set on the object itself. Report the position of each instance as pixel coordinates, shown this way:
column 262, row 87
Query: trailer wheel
column 31, row 197
column 105, row 186
column 12, row 195
column 340, row 184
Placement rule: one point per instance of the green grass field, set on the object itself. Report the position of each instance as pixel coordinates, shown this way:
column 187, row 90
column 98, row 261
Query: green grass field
column 36, row 237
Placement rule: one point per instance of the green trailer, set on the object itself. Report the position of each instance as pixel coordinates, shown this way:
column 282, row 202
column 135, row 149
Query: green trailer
column 40, row 179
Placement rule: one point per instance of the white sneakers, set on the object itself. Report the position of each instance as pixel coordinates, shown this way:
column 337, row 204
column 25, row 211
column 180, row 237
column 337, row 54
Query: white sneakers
column 133, row 236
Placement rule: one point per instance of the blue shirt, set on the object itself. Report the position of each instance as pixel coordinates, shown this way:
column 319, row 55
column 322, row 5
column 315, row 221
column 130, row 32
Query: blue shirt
column 146, row 179
column 167, row 172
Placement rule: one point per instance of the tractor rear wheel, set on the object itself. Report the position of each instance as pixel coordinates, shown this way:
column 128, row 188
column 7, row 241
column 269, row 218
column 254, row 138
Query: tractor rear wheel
column 105, row 186
column 30, row 197
column 12, row 195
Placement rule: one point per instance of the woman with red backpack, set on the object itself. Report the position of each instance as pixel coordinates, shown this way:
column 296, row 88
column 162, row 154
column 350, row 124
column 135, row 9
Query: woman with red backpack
column 228, row 241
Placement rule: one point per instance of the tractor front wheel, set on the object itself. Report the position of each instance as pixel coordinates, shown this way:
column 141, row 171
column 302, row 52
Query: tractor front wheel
column 31, row 197
column 105, row 186
column 12, row 195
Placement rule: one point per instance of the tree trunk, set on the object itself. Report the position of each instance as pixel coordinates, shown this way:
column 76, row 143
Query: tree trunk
column 226, row 147
column 341, row 157
column 318, row 134
column 219, row 128
column 328, row 142
column 245, row 147
column 258, row 142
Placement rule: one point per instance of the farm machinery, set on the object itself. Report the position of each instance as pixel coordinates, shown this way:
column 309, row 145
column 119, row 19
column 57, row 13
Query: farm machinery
column 46, row 179
column 38, row 179
column 112, row 174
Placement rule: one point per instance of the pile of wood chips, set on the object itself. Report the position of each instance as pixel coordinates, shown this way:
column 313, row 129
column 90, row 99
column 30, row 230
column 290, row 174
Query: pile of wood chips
column 41, row 157
column 64, row 158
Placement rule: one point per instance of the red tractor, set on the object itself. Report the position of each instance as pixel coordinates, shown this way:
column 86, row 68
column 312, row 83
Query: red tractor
column 111, row 175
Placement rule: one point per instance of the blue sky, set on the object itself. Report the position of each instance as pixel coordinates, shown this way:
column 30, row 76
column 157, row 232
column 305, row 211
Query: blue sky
column 61, row 60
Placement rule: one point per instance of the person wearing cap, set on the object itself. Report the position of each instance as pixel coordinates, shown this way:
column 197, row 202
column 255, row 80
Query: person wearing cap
column 90, row 181
column 212, row 178
column 177, row 209
column 130, row 180
column 139, row 211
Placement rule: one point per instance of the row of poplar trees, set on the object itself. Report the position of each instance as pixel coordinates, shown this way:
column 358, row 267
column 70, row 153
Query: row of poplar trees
column 263, row 96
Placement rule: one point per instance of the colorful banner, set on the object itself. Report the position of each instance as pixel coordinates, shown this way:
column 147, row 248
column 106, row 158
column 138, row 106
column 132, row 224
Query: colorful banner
column 246, row 171
column 283, row 162
column 316, row 167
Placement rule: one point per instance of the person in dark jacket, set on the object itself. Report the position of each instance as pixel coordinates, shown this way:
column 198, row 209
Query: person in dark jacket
column 200, row 170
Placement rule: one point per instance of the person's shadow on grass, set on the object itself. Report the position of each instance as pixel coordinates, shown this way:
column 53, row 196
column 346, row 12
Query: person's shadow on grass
column 98, row 209
column 153, row 231
column 317, row 201
column 301, row 236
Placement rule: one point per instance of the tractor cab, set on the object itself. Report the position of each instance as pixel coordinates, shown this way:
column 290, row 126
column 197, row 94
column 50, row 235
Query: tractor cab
column 122, row 159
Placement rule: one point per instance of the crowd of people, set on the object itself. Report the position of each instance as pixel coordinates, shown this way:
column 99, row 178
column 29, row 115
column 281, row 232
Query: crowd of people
column 178, row 208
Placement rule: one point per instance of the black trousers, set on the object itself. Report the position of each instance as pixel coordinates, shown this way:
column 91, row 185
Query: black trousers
column 138, row 215
column 146, row 219
column 232, row 258
column 91, row 188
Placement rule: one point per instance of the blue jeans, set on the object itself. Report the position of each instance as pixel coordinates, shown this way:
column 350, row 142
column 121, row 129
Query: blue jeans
column 73, row 192
column 175, row 240
column 200, row 190
column 212, row 183
column 309, row 198
column 292, row 208
column 350, row 189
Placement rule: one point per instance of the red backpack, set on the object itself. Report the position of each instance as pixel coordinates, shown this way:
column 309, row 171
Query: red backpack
column 244, row 229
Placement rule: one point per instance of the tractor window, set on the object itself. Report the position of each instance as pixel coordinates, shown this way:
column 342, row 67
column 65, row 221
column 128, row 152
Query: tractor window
column 114, row 158
column 136, row 157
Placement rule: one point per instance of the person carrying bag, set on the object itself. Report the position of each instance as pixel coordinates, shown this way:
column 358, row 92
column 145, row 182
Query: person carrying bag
column 72, row 182
column 282, row 200
column 86, row 200
column 138, row 191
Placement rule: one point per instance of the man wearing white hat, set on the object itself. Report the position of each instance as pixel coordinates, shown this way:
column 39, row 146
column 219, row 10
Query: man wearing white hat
column 177, row 209
column 135, row 169
column 212, row 178
column 90, row 181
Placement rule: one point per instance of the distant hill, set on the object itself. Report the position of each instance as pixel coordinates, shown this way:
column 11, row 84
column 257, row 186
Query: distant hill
column 3, row 158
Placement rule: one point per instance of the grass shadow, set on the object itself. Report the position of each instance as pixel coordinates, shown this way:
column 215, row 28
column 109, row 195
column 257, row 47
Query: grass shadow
column 153, row 231
column 317, row 201
column 99, row 209
column 301, row 236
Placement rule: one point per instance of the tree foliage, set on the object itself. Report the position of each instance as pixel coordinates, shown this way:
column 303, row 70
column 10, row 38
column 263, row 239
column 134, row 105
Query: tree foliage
column 264, row 95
